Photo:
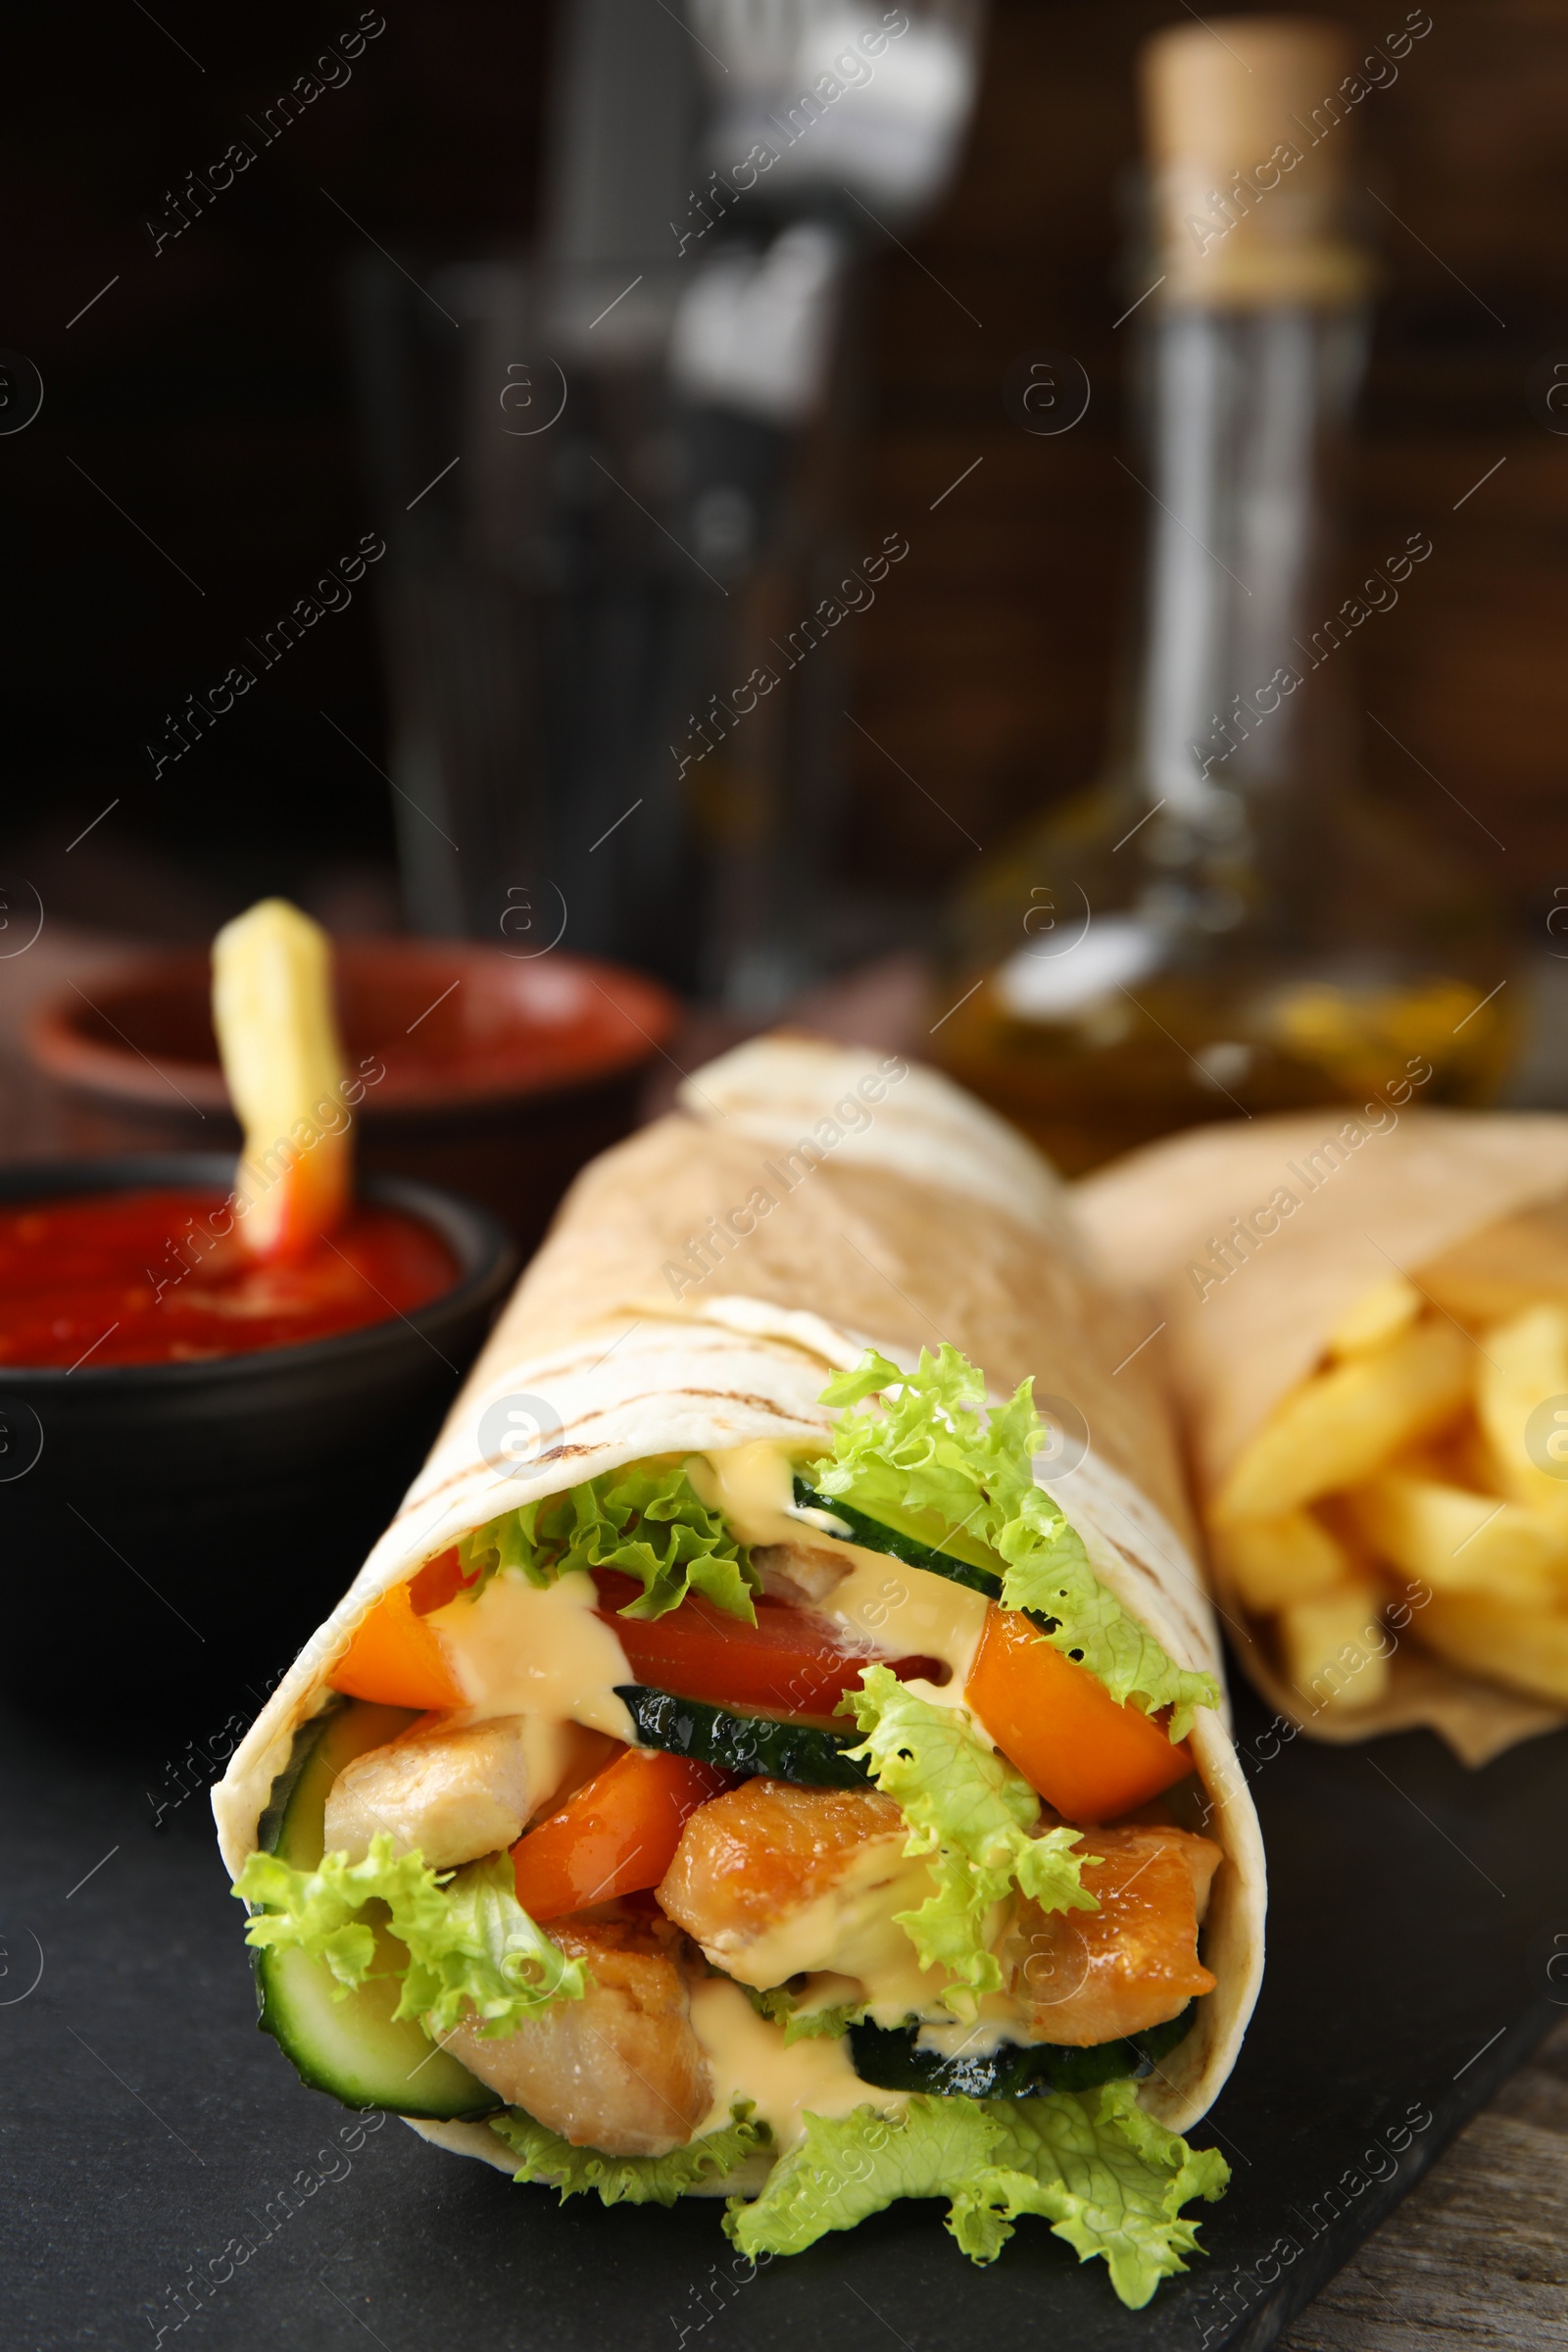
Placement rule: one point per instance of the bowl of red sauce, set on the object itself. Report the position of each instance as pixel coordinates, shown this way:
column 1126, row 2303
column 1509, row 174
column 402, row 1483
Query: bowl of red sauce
column 497, row 1074
column 197, row 1452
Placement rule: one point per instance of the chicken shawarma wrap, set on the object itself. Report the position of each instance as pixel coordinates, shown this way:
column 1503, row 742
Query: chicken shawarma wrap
column 778, row 1750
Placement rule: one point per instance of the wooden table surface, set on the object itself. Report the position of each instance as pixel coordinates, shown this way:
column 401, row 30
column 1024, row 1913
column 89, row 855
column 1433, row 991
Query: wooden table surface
column 1478, row 2253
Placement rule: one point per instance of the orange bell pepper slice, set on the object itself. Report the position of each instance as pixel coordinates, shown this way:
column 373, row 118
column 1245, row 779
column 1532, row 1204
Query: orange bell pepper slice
column 616, row 1834
column 394, row 1657
column 1088, row 1757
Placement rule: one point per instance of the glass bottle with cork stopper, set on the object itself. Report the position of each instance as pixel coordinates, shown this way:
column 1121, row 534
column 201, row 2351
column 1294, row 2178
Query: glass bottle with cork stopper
column 1224, row 922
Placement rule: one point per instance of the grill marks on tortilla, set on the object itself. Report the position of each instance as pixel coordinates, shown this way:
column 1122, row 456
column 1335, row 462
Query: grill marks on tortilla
column 667, row 1401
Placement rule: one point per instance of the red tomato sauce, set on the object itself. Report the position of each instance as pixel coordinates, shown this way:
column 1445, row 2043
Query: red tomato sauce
column 138, row 1278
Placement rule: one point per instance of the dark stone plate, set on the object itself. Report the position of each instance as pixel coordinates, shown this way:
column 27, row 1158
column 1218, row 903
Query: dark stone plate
column 1418, row 1943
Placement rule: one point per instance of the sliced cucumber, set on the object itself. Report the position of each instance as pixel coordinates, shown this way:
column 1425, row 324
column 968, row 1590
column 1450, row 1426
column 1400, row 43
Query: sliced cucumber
column 294, row 1823
column 876, row 1535
column 745, row 1744
column 350, row 2047
column 893, row 2061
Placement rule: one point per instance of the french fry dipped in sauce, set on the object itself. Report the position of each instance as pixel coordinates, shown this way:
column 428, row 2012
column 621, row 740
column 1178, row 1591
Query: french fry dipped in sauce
column 283, row 1062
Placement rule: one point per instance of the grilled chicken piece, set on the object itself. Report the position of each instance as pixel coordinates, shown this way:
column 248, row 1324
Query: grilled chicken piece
column 801, row 1573
column 619, row 2070
column 454, row 1793
column 1083, row 1976
column 771, row 1879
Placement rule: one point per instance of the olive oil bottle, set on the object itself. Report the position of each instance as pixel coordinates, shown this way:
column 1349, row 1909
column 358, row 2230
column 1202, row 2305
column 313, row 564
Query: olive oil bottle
column 1225, row 924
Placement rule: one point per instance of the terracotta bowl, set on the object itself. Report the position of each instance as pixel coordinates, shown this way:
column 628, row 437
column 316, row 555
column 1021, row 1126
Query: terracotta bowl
column 502, row 1075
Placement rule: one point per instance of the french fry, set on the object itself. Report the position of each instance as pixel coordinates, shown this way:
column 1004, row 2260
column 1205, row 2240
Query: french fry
column 1460, row 1541
column 1377, row 1317
column 1435, row 1456
column 1522, row 1402
column 1332, row 1648
column 277, row 1035
column 1273, row 1561
column 1461, row 1457
column 1341, row 1425
column 1526, row 1649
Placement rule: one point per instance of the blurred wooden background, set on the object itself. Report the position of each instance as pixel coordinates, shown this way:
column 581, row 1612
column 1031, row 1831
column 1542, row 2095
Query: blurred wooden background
column 988, row 675
column 207, row 394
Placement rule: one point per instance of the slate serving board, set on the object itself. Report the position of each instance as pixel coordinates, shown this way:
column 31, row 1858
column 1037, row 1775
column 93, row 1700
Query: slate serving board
column 1418, row 1948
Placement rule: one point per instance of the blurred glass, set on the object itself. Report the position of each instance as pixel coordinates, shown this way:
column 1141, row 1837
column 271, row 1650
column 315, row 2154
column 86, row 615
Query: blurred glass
column 620, row 463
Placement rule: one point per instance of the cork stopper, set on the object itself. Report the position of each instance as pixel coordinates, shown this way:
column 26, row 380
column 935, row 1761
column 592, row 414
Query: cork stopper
column 1248, row 128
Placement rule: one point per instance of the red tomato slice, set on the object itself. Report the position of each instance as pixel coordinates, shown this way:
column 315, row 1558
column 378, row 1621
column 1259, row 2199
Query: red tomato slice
column 789, row 1662
column 439, row 1581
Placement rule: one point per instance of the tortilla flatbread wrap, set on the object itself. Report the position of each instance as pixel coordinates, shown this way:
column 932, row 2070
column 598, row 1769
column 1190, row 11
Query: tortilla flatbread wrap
column 702, row 1287
column 1300, row 1268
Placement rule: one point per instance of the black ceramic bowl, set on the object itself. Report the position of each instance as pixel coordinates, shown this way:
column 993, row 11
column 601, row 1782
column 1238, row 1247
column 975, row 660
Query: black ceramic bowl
column 169, row 1534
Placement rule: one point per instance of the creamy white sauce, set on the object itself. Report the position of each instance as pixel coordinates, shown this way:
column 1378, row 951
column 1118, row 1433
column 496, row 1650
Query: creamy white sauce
column 537, row 1650
column 909, row 1612
column 1000, row 2020
column 901, row 1611
column 747, row 2060
column 826, row 1991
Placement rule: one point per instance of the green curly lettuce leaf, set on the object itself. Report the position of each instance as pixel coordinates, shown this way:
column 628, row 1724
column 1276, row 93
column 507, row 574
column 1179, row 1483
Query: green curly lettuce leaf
column 973, row 1813
column 783, row 2008
column 848, row 2167
column 544, row 2157
column 647, row 1520
column 933, row 1459
column 473, row 1950
column 1107, row 2178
